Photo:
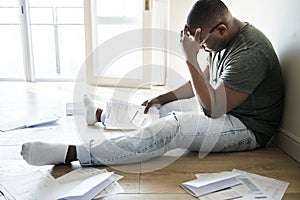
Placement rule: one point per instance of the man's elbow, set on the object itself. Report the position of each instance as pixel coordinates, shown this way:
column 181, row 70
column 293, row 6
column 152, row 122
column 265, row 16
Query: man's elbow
column 212, row 108
column 212, row 114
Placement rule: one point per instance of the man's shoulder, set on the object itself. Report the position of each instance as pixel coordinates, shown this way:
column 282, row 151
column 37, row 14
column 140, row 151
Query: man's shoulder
column 254, row 36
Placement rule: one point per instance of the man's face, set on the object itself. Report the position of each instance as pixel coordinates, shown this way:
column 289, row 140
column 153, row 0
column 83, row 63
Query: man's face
column 206, row 38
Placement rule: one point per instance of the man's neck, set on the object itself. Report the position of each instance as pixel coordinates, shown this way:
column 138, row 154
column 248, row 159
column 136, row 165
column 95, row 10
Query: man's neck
column 235, row 27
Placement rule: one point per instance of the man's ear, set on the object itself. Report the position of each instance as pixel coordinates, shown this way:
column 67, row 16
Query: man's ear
column 222, row 28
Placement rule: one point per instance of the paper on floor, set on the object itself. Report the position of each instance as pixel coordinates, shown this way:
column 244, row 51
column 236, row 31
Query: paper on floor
column 82, row 183
column 207, row 183
column 8, row 124
column 252, row 186
column 261, row 186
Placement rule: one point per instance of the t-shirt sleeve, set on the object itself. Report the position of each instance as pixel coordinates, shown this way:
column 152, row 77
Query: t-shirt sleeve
column 245, row 72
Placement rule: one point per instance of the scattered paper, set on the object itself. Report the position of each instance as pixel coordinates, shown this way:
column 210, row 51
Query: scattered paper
column 218, row 186
column 227, row 194
column 92, row 177
column 23, row 186
column 114, row 188
column 207, row 183
column 4, row 194
column 271, row 189
column 81, row 184
column 75, row 108
column 8, row 124
column 88, row 188
column 126, row 116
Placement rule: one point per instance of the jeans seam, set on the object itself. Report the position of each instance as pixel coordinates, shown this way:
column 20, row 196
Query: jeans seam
column 213, row 134
column 247, row 140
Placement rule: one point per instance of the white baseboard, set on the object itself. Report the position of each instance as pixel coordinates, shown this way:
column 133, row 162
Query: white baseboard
column 289, row 143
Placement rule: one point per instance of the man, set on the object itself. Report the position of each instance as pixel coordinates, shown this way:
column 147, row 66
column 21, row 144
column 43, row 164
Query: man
column 237, row 100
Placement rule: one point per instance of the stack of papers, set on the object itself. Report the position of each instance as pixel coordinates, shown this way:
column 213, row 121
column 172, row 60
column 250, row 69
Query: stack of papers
column 235, row 185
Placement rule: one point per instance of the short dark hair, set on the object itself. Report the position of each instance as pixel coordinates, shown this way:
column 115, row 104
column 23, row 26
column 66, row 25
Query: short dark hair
column 206, row 13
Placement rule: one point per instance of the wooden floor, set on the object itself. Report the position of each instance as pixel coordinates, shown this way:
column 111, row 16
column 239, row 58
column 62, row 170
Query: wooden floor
column 162, row 183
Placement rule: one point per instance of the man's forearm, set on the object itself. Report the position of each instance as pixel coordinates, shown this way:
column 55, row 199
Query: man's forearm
column 212, row 99
column 202, row 88
column 183, row 92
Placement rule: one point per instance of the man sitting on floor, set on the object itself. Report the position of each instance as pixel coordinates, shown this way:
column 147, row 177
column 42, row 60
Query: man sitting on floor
column 236, row 101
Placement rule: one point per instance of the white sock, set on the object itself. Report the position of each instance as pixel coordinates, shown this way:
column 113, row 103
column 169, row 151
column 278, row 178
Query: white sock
column 40, row 153
column 90, row 111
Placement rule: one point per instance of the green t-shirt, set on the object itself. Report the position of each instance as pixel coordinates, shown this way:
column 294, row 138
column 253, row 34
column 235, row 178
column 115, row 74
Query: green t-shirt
column 250, row 65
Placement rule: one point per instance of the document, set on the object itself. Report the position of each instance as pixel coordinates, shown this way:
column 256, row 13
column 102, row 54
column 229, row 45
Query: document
column 82, row 184
column 114, row 188
column 250, row 186
column 8, row 124
column 89, row 183
column 127, row 116
column 5, row 195
column 208, row 183
column 24, row 186
column 88, row 188
column 228, row 194
column 260, row 186
column 75, row 108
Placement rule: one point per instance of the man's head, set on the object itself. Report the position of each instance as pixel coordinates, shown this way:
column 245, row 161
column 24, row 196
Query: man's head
column 212, row 16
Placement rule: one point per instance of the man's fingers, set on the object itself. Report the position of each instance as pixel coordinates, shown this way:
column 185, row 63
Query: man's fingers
column 185, row 30
column 145, row 103
column 197, row 35
column 147, row 108
column 148, row 104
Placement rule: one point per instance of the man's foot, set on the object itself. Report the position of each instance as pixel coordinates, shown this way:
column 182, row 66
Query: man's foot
column 90, row 111
column 40, row 153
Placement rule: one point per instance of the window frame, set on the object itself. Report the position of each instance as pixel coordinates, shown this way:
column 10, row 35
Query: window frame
column 91, row 40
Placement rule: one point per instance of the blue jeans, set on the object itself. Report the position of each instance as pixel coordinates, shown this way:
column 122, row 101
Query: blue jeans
column 182, row 125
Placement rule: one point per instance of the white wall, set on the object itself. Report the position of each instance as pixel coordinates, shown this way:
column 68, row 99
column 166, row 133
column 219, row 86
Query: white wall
column 279, row 20
column 177, row 71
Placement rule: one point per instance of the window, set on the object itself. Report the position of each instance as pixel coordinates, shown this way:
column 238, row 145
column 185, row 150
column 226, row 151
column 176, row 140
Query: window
column 41, row 40
column 107, row 25
column 46, row 40
column 57, row 29
column 11, row 62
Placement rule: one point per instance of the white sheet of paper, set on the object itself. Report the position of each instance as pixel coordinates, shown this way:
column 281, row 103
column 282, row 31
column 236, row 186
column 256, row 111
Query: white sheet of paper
column 248, row 189
column 205, row 179
column 80, row 174
column 207, row 183
column 88, row 188
column 81, row 184
column 273, row 188
column 7, row 124
column 70, row 180
column 227, row 194
column 114, row 188
column 126, row 116
column 27, row 185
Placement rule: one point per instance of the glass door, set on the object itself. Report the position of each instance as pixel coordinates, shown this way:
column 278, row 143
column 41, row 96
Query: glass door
column 11, row 58
column 115, row 41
